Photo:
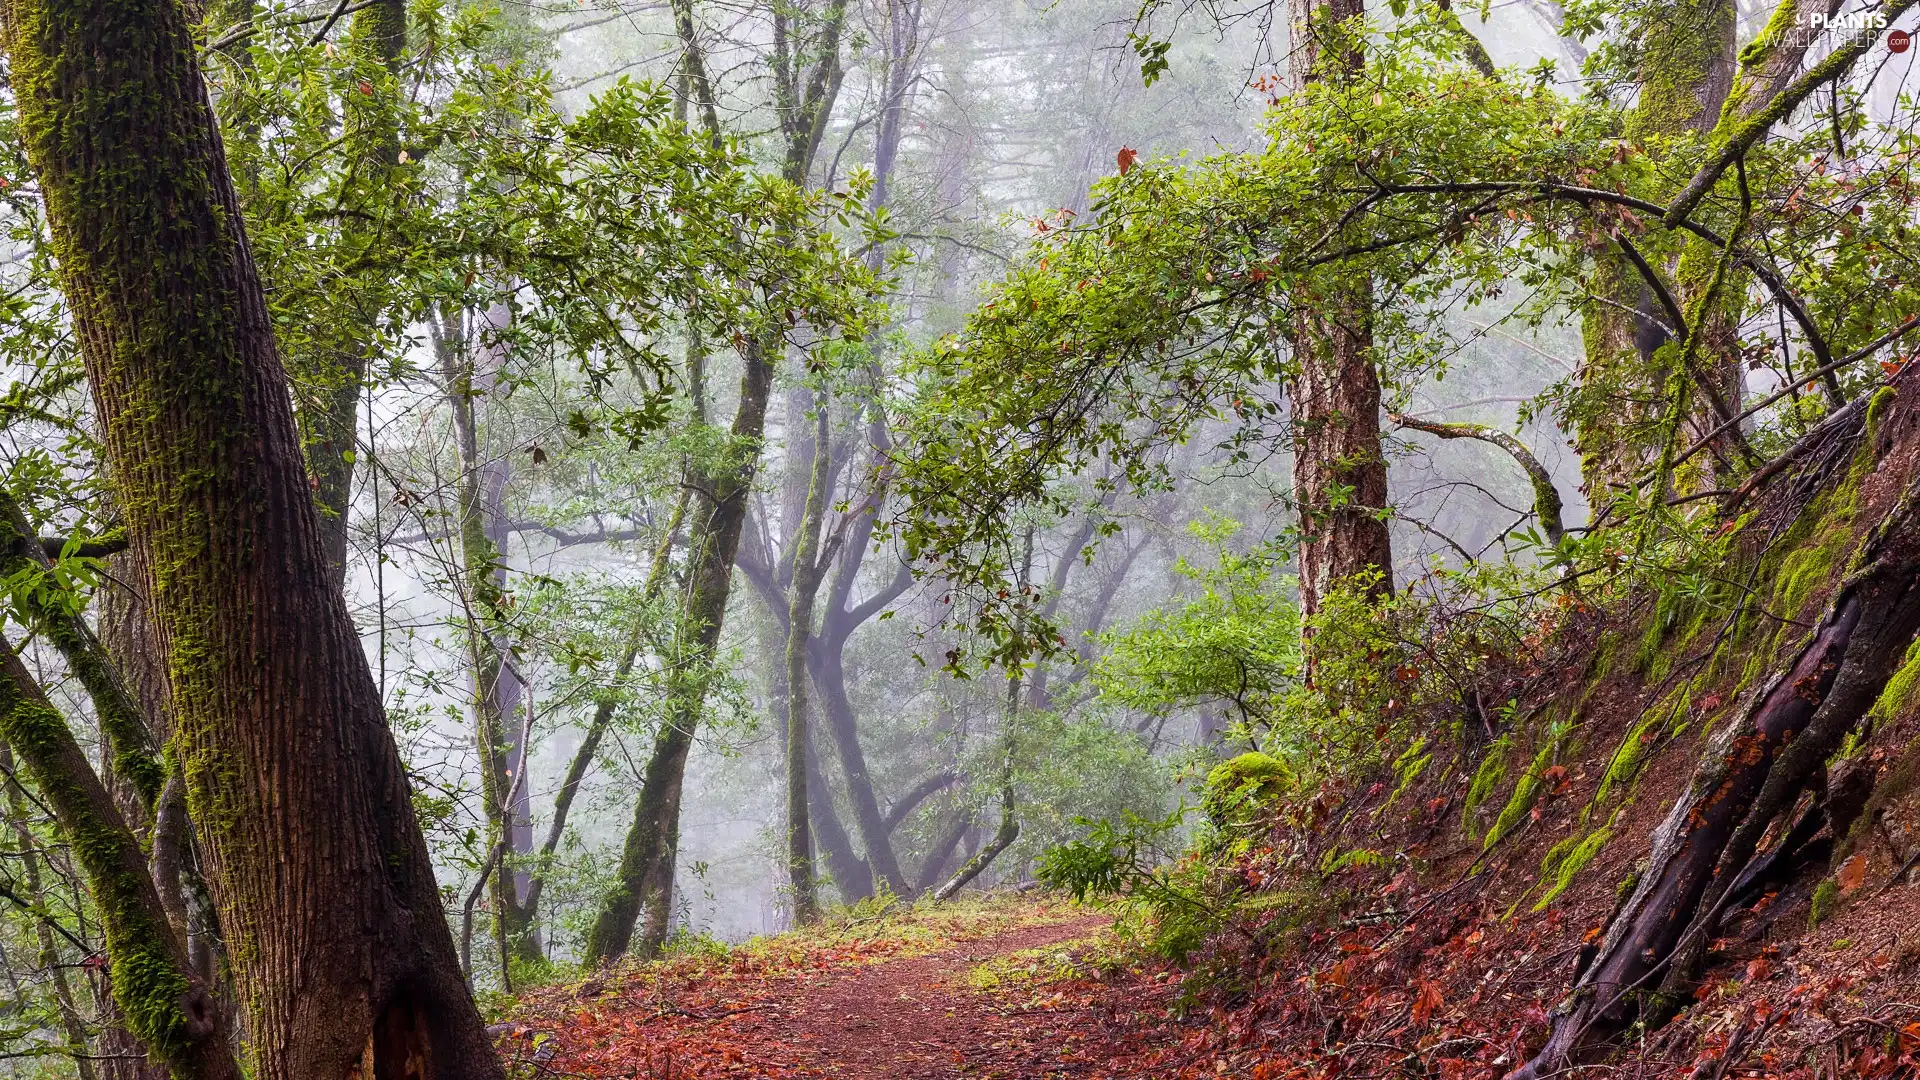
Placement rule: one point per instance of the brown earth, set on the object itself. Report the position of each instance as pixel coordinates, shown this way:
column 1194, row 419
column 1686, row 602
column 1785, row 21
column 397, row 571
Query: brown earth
column 918, row 1019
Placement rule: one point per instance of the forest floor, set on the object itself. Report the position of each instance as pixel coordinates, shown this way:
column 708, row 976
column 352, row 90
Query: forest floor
column 989, row 990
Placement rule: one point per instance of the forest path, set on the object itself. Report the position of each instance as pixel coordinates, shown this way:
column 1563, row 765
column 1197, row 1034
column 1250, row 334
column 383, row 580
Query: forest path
column 924, row 998
column 920, row 1019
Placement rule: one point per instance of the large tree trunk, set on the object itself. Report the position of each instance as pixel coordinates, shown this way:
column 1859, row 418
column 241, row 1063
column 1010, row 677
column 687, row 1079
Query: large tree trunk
column 1339, row 472
column 1686, row 69
column 1751, row 773
column 342, row 957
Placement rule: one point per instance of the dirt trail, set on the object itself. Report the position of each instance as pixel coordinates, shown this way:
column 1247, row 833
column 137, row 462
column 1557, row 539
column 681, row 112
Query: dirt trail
column 918, row 1019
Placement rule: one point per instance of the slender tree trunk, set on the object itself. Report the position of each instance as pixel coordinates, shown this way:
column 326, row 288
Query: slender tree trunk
column 830, row 677
column 808, row 570
column 471, row 365
column 803, row 99
column 1009, row 829
column 647, row 860
column 1339, row 472
column 941, row 853
column 329, row 422
column 1765, row 68
column 342, row 958
column 129, row 742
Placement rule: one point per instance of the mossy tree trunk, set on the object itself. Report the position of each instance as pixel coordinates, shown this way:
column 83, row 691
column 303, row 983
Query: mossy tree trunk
column 1339, row 471
column 1765, row 68
column 342, row 957
column 27, row 857
column 1685, row 72
column 157, row 998
column 808, row 570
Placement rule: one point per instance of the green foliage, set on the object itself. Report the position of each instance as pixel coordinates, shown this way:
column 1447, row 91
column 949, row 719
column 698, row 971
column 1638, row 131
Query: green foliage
column 1128, row 861
column 1237, row 642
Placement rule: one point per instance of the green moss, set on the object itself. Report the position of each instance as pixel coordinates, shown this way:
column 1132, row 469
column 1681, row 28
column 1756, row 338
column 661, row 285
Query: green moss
column 1679, row 49
column 1409, row 767
column 1527, row 791
column 1492, row 770
column 1898, row 697
column 1826, row 897
column 1579, row 852
column 1251, row 778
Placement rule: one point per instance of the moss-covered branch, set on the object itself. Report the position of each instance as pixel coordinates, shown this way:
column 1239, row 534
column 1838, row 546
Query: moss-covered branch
column 1546, row 497
column 1735, row 143
column 129, row 739
column 160, row 1001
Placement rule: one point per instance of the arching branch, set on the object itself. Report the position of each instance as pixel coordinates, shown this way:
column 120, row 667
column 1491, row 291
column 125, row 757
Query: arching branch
column 1546, row 497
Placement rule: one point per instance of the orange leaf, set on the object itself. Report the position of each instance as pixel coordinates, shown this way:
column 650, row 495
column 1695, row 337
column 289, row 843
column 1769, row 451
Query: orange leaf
column 1426, row 1002
column 1125, row 159
column 1854, row 873
column 1910, row 1038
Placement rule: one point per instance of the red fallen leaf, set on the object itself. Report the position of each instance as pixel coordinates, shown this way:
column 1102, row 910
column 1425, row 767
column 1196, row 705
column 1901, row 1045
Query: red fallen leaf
column 1125, row 159
column 1426, row 1002
column 1759, row 968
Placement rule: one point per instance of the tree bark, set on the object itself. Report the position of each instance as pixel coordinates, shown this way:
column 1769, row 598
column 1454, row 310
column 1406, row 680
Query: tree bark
column 471, row 364
column 1765, row 69
column 1339, row 472
column 342, row 957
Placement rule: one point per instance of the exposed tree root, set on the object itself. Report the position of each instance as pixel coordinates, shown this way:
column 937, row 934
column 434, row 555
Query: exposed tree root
column 1751, row 772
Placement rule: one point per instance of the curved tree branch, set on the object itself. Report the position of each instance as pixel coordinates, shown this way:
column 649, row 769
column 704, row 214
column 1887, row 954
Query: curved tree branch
column 1546, row 497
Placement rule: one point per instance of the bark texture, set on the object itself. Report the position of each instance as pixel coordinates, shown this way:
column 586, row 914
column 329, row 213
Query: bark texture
column 1339, row 473
column 342, row 956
